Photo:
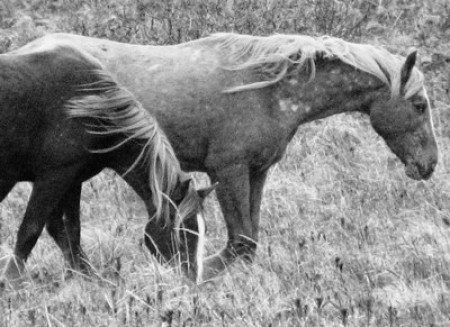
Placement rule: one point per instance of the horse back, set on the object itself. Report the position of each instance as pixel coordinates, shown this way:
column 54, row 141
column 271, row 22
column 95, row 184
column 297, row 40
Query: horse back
column 33, row 89
column 183, row 87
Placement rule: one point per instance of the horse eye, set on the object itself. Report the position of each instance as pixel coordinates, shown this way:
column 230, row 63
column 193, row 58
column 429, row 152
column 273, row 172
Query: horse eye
column 421, row 107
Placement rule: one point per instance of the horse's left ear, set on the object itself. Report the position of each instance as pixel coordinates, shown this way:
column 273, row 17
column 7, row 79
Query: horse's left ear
column 407, row 68
column 181, row 190
column 204, row 192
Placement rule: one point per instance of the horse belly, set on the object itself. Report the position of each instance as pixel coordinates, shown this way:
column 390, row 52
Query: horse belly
column 15, row 168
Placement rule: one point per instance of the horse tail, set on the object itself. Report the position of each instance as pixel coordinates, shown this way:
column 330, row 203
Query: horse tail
column 117, row 111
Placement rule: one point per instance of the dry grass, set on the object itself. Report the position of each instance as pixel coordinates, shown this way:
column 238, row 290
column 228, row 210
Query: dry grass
column 346, row 240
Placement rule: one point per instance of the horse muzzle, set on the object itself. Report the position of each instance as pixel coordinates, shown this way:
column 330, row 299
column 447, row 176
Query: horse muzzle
column 418, row 171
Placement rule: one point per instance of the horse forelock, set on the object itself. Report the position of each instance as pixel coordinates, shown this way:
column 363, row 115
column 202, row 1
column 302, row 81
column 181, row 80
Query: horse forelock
column 189, row 206
column 122, row 114
column 190, row 203
column 273, row 55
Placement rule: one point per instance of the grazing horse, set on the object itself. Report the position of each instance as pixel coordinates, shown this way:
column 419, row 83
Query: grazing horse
column 231, row 103
column 63, row 119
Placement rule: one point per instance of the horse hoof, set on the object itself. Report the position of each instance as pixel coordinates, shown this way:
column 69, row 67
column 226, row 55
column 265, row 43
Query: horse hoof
column 11, row 277
column 212, row 268
column 12, row 284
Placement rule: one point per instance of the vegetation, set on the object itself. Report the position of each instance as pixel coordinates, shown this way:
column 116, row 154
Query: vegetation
column 346, row 238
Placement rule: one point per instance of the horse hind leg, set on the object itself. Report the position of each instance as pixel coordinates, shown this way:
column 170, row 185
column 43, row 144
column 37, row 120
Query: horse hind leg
column 66, row 230
column 47, row 192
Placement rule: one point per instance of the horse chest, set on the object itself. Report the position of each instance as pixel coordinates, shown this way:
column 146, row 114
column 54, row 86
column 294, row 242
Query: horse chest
column 269, row 155
column 268, row 145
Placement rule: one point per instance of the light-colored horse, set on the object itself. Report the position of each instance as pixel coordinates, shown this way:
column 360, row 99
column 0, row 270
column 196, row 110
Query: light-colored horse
column 231, row 103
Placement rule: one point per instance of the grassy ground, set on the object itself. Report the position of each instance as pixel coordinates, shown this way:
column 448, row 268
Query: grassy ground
column 346, row 238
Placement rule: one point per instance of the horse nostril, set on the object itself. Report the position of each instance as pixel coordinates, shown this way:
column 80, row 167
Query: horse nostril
column 432, row 166
column 426, row 172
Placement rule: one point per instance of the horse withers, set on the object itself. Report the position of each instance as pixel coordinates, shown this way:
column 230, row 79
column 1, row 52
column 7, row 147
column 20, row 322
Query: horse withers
column 231, row 103
column 64, row 119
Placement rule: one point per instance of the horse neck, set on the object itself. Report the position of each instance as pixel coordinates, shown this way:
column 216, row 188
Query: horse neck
column 137, row 179
column 136, row 175
column 336, row 88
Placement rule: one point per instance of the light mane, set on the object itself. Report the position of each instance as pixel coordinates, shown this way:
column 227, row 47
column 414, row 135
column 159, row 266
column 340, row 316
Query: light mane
column 273, row 55
column 118, row 112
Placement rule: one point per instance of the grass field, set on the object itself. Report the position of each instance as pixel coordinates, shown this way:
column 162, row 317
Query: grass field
column 346, row 238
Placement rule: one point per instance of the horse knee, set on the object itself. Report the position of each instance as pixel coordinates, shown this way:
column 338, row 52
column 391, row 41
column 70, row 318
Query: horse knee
column 29, row 231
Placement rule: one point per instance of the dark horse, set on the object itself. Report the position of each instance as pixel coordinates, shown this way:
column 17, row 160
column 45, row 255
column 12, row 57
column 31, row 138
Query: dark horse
column 64, row 119
column 230, row 104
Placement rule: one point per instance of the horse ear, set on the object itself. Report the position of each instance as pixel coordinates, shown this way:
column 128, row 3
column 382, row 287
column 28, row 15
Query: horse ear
column 181, row 190
column 204, row 192
column 407, row 68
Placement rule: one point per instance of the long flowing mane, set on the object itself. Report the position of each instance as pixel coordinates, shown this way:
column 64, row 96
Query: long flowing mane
column 273, row 55
column 118, row 112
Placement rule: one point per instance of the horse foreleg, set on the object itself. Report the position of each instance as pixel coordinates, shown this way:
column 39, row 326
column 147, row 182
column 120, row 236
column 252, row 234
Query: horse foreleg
column 257, row 181
column 233, row 193
column 66, row 230
column 45, row 197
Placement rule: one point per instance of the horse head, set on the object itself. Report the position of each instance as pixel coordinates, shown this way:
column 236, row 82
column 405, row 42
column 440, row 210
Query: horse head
column 181, row 240
column 404, row 121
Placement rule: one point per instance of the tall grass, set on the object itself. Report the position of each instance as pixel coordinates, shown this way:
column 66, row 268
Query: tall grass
column 346, row 238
